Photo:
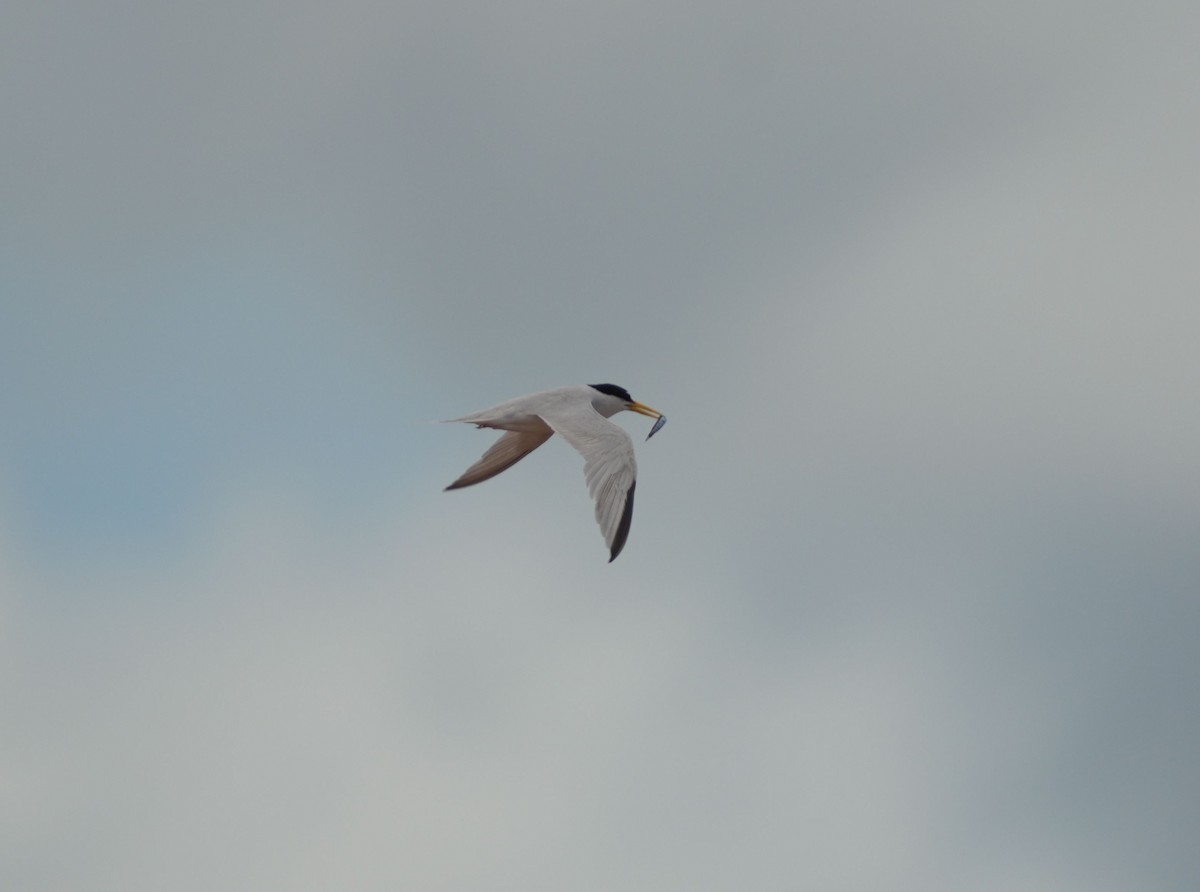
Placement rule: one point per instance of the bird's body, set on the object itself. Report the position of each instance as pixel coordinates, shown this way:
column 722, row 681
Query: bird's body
column 580, row 414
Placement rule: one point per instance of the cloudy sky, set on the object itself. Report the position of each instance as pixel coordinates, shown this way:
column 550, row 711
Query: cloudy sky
column 911, row 596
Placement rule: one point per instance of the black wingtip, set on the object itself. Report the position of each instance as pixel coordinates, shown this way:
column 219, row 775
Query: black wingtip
column 623, row 527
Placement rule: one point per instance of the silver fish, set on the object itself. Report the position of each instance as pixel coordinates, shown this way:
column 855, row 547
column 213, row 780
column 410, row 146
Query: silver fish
column 662, row 419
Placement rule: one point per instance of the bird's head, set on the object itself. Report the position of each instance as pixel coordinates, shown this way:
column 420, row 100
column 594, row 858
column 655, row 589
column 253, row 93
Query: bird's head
column 616, row 399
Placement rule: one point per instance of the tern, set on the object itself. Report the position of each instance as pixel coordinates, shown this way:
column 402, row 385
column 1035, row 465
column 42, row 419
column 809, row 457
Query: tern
column 580, row 414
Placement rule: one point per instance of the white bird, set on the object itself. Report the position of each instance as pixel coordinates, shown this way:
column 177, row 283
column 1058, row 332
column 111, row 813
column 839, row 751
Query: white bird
column 578, row 412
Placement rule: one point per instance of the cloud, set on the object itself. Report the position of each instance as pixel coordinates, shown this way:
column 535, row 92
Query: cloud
column 907, row 597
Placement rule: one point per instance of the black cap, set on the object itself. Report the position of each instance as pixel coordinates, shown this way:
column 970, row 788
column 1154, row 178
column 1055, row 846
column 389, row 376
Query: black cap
column 613, row 390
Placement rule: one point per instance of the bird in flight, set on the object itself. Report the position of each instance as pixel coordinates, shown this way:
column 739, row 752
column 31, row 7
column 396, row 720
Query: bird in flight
column 580, row 414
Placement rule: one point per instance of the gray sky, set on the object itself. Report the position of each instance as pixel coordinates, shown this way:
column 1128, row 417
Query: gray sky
column 911, row 594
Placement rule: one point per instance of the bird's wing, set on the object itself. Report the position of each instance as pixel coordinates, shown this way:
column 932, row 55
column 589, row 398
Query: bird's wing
column 503, row 454
column 609, row 467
